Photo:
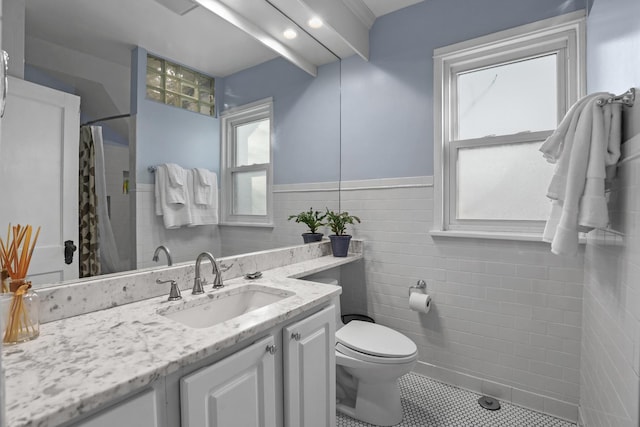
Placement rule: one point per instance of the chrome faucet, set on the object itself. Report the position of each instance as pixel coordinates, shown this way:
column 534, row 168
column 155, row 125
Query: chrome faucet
column 166, row 251
column 199, row 283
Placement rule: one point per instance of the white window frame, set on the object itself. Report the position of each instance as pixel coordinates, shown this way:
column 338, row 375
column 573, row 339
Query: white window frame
column 563, row 35
column 255, row 111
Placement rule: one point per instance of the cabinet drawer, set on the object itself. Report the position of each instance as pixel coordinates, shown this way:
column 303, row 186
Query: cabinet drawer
column 138, row 411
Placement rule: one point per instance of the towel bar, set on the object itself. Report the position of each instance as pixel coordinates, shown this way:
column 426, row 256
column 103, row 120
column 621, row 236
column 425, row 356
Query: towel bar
column 626, row 98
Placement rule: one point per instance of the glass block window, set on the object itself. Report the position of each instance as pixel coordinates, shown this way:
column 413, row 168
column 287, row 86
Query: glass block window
column 179, row 86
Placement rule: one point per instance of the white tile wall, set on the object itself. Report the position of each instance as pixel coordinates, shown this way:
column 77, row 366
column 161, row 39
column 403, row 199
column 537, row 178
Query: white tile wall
column 506, row 316
column 288, row 200
column 185, row 243
column 609, row 371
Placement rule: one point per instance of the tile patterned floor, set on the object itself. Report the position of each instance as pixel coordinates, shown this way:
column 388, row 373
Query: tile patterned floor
column 428, row 403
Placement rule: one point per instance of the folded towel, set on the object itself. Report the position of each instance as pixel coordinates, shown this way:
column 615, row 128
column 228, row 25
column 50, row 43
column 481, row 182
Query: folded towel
column 583, row 148
column 205, row 186
column 176, row 174
column 174, row 215
column 175, row 188
column 203, row 214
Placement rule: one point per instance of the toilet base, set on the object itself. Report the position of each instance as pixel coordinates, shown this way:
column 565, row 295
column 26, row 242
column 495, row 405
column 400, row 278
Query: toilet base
column 376, row 403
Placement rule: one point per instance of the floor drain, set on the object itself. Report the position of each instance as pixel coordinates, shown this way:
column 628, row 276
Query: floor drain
column 489, row 403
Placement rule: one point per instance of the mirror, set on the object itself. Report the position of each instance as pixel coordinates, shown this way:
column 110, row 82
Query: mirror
column 94, row 60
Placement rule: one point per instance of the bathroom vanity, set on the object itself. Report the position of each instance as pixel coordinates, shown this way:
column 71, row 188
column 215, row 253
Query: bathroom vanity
column 264, row 355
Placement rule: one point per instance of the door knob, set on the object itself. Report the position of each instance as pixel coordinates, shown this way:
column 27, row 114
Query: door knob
column 69, row 249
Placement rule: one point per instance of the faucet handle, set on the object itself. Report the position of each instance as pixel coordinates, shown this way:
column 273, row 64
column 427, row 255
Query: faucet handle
column 174, row 293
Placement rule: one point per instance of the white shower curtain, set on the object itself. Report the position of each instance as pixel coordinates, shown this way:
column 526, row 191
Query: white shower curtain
column 108, row 252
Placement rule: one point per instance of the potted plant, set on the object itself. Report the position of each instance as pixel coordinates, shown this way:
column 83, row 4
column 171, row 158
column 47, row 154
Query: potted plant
column 313, row 220
column 337, row 222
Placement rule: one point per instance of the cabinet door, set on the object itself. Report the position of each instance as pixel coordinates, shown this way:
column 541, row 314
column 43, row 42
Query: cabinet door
column 236, row 391
column 310, row 371
column 139, row 411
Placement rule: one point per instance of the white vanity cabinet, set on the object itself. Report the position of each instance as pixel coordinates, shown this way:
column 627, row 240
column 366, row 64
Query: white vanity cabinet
column 310, row 371
column 252, row 387
column 239, row 390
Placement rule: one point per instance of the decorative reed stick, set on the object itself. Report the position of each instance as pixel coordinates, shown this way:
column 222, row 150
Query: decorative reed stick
column 15, row 257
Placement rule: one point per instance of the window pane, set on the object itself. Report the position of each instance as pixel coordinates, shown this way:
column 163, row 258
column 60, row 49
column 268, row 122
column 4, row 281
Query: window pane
column 155, row 94
column 252, row 143
column 154, row 79
column 185, row 88
column 509, row 98
column 250, row 193
column 507, row 182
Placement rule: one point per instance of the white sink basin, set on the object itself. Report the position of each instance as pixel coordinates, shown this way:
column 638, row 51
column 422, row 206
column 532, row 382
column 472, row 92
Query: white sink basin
column 218, row 307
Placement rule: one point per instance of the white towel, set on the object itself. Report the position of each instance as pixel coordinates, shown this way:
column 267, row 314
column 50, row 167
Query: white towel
column 203, row 214
column 587, row 140
column 205, row 186
column 174, row 215
column 175, row 190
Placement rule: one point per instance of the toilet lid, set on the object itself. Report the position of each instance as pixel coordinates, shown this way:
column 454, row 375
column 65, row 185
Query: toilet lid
column 374, row 339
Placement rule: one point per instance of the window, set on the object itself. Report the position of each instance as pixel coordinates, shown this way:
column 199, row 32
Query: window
column 179, row 86
column 501, row 96
column 246, row 164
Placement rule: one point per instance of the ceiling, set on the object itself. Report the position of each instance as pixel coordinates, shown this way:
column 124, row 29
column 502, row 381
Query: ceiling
column 203, row 40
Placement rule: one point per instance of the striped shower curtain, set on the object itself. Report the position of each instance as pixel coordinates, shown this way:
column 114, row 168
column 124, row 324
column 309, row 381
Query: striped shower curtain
column 87, row 200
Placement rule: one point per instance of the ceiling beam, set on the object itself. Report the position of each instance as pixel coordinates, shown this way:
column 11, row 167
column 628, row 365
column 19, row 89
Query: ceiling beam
column 248, row 26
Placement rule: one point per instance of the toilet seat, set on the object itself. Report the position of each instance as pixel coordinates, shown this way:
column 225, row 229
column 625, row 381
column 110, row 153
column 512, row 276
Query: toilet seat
column 374, row 343
column 364, row 357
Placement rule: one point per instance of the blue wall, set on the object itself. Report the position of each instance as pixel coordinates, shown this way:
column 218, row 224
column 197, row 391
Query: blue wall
column 387, row 103
column 306, row 117
column 386, row 119
column 166, row 134
column 613, row 46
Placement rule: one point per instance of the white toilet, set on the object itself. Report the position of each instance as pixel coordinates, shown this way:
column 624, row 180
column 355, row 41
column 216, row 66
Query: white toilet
column 370, row 359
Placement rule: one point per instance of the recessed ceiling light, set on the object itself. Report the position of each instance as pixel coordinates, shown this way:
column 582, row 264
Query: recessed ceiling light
column 315, row 22
column 290, row 34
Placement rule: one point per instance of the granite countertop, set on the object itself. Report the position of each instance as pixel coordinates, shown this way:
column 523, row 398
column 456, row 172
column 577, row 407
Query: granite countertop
column 79, row 363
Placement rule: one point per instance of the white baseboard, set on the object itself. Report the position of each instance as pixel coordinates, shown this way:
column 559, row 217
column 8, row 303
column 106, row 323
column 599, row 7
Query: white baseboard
column 547, row 405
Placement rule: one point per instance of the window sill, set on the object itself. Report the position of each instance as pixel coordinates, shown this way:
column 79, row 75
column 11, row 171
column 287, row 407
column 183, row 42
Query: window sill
column 247, row 224
column 497, row 235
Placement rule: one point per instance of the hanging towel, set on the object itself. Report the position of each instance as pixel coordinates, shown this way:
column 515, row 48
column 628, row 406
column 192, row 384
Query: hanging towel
column 205, row 186
column 203, row 214
column 561, row 142
column 176, row 188
column 174, row 215
column 587, row 140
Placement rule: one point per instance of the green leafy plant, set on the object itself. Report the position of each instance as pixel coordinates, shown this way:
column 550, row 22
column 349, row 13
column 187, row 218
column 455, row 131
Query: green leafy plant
column 313, row 219
column 337, row 222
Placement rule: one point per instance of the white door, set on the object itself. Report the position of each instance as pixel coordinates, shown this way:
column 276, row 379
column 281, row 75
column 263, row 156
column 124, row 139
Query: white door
column 236, row 391
column 310, row 371
column 39, row 173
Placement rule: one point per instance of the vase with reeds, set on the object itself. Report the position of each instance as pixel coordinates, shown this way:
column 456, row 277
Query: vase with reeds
column 22, row 322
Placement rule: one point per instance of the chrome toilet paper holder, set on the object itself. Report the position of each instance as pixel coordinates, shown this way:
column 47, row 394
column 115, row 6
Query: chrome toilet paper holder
column 421, row 285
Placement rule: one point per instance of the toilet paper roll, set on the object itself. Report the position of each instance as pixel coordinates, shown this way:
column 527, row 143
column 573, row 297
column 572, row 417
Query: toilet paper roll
column 420, row 302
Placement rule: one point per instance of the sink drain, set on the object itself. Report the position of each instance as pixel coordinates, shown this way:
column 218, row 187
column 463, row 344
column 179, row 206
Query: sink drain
column 489, row 403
